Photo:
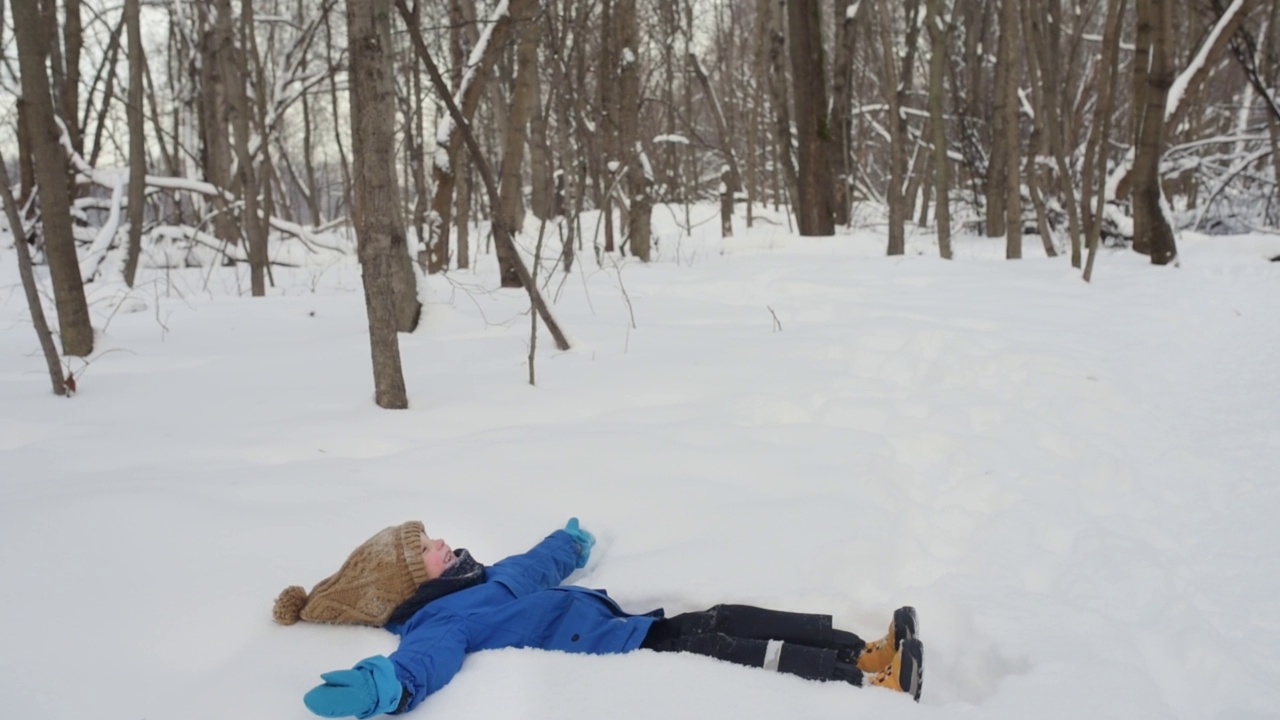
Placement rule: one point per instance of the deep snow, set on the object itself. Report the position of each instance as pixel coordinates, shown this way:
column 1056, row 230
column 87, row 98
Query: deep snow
column 1075, row 484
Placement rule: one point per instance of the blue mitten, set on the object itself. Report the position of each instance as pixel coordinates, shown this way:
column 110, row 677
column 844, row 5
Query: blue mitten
column 368, row 689
column 585, row 541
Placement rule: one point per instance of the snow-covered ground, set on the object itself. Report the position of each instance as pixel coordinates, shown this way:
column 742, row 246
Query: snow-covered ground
column 1076, row 485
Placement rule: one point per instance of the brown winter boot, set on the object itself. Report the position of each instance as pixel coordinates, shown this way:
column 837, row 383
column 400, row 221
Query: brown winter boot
column 879, row 653
column 906, row 672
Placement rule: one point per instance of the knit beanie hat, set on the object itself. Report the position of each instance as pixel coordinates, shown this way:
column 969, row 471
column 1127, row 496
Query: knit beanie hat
column 379, row 575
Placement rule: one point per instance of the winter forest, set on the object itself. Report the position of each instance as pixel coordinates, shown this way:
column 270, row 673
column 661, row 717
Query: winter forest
column 832, row 306
column 204, row 133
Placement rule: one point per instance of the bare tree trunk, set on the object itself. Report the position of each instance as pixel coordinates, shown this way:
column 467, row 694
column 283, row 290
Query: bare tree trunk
column 448, row 153
column 347, row 201
column 51, row 175
column 1109, row 70
column 1149, row 223
column 938, row 22
column 466, row 188
column 461, row 30
column 841, row 105
column 108, row 92
column 540, row 190
column 753, row 129
column 814, row 209
column 215, row 46
column 997, row 178
column 501, row 233
column 522, row 103
column 894, row 91
column 26, row 157
column 313, row 190
column 23, row 250
column 570, row 172
column 1013, row 190
column 236, row 76
column 1057, row 123
column 1036, row 145
column 72, row 40
column 778, row 96
column 731, row 180
column 1273, row 126
column 137, row 142
column 378, row 221
column 607, row 152
column 639, row 171
column 415, row 143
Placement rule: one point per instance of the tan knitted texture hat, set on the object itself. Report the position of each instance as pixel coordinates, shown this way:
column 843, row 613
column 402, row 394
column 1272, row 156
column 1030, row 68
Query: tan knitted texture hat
column 379, row 575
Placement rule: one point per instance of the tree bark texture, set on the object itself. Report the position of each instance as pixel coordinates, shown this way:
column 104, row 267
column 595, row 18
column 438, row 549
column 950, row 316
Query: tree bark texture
column 1037, row 144
column 731, row 176
column 1012, row 134
column 522, row 107
column 449, row 151
column 378, row 221
column 892, row 86
column 1150, row 227
column 72, row 41
column 842, row 77
column 51, row 176
column 778, row 98
column 137, row 142
column 540, row 183
column 236, row 77
column 938, row 23
column 21, row 247
column 501, row 233
column 1095, row 169
column 997, row 164
column 1057, row 124
column 814, row 211
column 639, row 179
column 216, row 43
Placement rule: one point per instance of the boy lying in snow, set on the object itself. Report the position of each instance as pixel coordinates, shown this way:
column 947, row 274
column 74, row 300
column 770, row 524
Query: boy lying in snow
column 444, row 605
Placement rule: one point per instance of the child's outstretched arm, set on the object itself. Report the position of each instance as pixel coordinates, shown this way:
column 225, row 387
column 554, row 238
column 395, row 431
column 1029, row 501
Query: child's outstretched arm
column 426, row 661
column 548, row 563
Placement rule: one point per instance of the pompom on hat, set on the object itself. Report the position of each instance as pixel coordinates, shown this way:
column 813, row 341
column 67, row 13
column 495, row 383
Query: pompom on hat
column 383, row 572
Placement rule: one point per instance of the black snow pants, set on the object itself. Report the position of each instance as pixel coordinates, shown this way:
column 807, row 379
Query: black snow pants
column 794, row 643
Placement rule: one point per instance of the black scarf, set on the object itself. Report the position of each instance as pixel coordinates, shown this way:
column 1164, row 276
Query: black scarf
column 462, row 574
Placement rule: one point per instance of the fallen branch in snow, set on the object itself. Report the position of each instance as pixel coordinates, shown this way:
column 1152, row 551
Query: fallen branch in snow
column 116, row 180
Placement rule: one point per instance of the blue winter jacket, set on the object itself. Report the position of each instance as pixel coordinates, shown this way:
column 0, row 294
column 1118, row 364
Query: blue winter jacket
column 520, row 604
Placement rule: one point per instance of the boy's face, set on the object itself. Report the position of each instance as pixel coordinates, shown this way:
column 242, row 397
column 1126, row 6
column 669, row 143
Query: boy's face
column 437, row 556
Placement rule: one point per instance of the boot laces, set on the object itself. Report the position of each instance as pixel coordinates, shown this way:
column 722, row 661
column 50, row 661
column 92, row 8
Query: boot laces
column 884, row 675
